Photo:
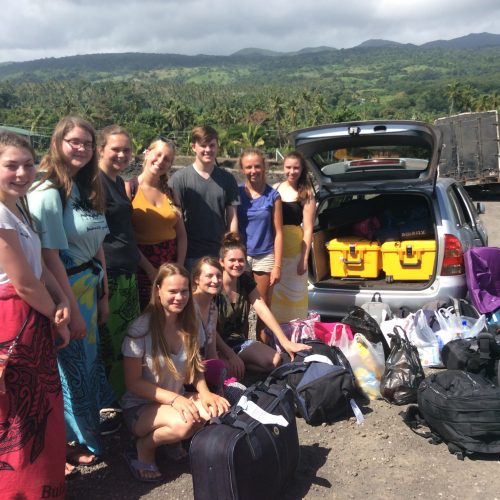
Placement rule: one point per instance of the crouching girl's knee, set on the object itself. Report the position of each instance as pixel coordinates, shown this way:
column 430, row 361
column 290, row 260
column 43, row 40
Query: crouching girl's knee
column 277, row 360
column 185, row 430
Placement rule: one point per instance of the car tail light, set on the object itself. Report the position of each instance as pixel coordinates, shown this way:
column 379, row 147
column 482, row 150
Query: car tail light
column 453, row 262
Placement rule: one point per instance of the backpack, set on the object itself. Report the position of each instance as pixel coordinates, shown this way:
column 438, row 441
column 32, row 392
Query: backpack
column 461, row 409
column 479, row 355
column 377, row 309
column 322, row 382
column 361, row 322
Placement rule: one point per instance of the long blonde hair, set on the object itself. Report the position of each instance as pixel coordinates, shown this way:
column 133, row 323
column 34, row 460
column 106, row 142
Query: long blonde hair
column 164, row 187
column 189, row 327
column 55, row 169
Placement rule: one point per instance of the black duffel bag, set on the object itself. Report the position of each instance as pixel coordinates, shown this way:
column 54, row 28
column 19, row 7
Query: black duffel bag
column 238, row 457
column 461, row 409
column 324, row 387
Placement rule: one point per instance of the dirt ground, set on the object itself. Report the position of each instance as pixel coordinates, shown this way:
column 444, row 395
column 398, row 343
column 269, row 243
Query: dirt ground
column 381, row 459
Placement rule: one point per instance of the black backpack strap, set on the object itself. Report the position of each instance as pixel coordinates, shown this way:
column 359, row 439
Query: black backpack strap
column 457, row 451
column 414, row 420
column 282, row 371
column 489, row 354
column 134, row 185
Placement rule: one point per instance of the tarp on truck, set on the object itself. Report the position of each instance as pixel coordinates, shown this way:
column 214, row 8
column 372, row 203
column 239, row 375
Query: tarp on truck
column 471, row 147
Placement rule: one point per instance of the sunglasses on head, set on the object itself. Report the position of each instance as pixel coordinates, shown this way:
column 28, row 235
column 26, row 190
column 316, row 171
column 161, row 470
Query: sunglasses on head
column 166, row 140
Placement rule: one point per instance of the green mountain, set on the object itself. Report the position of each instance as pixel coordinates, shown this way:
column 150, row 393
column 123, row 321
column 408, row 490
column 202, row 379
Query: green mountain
column 471, row 41
column 270, row 66
column 377, row 42
column 253, row 96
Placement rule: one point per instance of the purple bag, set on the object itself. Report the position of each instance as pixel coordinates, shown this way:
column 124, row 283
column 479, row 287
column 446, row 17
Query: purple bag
column 482, row 271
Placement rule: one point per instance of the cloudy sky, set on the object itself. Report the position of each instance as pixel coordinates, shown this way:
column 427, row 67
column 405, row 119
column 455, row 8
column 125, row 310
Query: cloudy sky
column 33, row 29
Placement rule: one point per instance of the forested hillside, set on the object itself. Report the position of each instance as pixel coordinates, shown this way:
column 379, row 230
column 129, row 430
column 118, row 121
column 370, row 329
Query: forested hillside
column 253, row 97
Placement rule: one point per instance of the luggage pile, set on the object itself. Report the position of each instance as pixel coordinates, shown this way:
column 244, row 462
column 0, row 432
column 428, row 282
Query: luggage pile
column 252, row 451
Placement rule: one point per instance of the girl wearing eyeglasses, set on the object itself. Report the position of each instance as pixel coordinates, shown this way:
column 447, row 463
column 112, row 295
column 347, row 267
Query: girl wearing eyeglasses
column 156, row 218
column 68, row 205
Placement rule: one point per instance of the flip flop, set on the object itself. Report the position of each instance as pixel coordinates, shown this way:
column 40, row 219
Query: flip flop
column 136, row 467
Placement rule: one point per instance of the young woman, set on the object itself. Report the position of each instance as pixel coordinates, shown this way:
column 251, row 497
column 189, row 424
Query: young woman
column 239, row 292
column 68, row 205
column 206, row 282
column 299, row 211
column 206, row 279
column 260, row 224
column 157, row 220
column 161, row 354
column 120, row 249
column 32, row 451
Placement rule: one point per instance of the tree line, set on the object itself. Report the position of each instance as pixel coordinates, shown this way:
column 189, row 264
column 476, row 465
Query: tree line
column 261, row 110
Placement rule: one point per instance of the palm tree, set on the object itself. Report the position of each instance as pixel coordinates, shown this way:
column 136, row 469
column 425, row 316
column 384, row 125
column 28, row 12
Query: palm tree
column 453, row 92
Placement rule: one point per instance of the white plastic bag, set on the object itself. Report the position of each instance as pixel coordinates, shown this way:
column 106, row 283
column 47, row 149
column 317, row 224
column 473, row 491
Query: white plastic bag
column 407, row 324
column 449, row 320
column 426, row 341
column 472, row 327
column 367, row 361
column 453, row 326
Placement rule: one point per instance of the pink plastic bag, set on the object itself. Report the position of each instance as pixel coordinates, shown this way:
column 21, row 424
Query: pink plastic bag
column 332, row 333
column 296, row 330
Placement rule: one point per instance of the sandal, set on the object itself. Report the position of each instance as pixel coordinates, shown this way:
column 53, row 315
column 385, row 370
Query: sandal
column 70, row 471
column 137, row 467
column 74, row 454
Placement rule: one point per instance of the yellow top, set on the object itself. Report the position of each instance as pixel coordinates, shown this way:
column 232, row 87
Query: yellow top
column 153, row 224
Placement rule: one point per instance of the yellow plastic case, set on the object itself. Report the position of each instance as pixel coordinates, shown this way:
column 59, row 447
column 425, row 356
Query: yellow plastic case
column 409, row 260
column 354, row 257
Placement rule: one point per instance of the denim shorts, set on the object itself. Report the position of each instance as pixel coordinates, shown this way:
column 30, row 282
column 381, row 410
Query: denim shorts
column 239, row 348
column 131, row 415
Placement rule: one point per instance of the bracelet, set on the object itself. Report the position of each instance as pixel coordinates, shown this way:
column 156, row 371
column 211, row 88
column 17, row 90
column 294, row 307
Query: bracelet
column 172, row 402
column 276, row 265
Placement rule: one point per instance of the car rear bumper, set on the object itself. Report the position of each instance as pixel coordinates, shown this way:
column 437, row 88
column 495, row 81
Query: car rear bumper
column 335, row 302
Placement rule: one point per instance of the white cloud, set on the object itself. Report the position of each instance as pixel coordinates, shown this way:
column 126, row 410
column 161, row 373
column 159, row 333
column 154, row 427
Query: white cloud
column 32, row 29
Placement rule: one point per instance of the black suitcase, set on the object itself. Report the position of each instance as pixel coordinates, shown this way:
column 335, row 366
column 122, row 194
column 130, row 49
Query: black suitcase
column 237, row 457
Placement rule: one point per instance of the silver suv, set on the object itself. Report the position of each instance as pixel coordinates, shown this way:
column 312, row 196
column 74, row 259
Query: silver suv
column 385, row 222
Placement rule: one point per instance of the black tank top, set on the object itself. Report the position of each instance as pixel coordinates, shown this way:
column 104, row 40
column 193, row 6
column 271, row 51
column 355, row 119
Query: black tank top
column 292, row 213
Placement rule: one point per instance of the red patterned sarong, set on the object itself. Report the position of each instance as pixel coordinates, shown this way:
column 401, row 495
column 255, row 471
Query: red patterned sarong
column 32, row 437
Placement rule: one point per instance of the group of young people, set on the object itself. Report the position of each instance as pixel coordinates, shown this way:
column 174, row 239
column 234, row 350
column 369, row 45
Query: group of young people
column 134, row 295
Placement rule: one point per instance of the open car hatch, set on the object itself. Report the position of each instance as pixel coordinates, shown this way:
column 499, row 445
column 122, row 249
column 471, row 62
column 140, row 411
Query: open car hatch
column 371, row 155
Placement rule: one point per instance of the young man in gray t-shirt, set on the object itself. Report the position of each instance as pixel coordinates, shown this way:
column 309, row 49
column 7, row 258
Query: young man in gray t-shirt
column 209, row 197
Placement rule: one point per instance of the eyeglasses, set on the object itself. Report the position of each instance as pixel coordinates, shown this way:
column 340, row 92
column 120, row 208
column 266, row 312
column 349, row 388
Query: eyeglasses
column 77, row 144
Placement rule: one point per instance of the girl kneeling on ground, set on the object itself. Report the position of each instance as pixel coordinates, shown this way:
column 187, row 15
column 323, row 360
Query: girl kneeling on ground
column 161, row 354
column 238, row 293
